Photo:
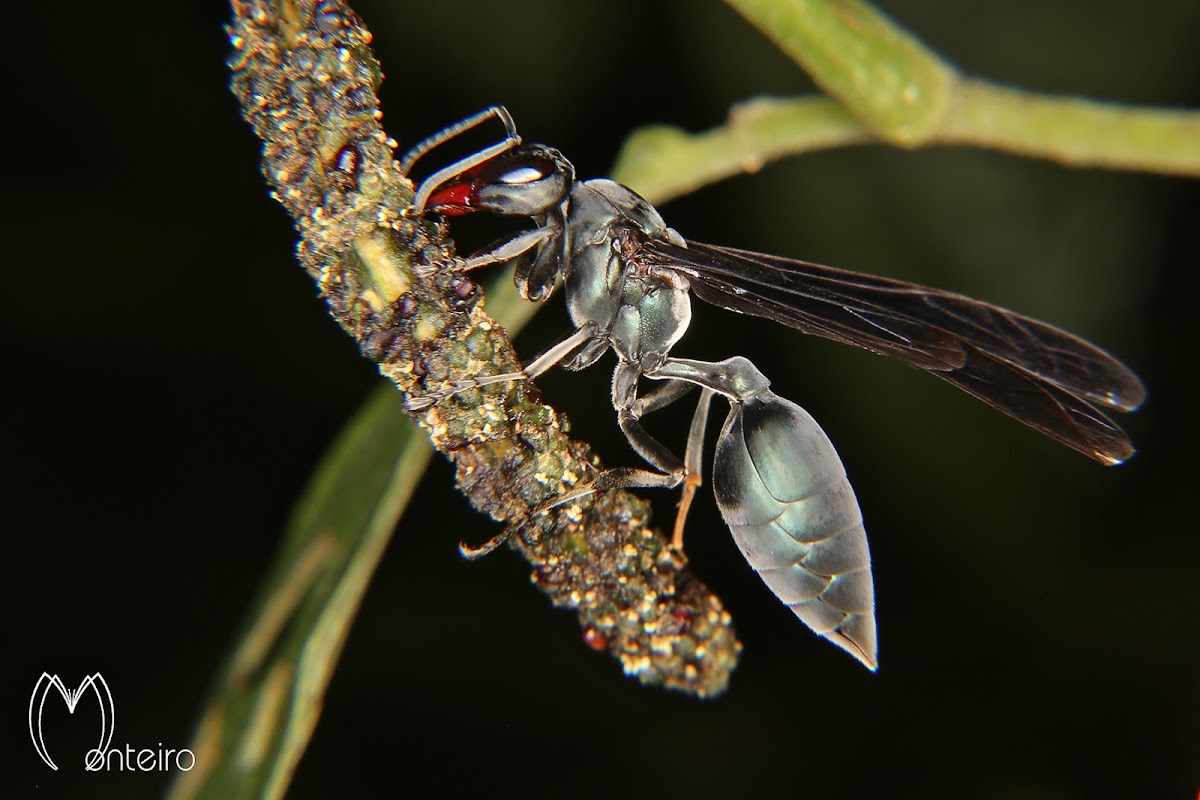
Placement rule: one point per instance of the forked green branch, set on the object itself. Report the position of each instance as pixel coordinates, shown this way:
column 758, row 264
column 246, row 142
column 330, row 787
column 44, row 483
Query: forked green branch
column 885, row 86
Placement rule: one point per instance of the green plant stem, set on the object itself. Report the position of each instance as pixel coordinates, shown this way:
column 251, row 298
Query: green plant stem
column 892, row 89
column 266, row 703
column 884, row 76
column 662, row 161
column 1073, row 131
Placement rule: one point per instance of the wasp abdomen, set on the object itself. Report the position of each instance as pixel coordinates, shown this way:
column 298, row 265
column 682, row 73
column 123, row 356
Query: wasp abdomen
column 784, row 495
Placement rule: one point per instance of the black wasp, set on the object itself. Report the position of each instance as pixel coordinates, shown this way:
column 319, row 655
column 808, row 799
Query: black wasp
column 778, row 481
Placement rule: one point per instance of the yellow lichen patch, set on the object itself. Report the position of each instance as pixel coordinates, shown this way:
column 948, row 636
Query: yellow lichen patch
column 387, row 273
column 428, row 326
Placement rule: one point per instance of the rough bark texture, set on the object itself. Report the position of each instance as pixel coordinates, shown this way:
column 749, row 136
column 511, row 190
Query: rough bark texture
column 306, row 79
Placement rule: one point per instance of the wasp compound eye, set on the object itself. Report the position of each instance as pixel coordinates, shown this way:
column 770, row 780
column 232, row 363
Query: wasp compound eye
column 527, row 181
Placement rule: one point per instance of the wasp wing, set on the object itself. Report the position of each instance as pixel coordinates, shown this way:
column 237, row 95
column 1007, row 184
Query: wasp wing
column 1036, row 373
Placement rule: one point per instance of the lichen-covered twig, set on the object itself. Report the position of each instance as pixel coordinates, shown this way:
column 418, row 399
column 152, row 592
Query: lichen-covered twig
column 306, row 79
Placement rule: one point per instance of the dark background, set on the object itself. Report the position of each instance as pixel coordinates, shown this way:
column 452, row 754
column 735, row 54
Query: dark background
column 172, row 379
